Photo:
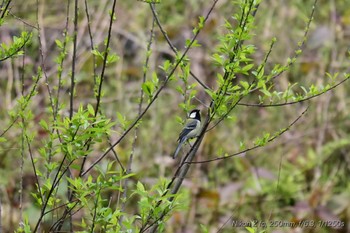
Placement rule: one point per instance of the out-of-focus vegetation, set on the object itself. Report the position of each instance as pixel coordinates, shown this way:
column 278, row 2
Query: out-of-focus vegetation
column 301, row 177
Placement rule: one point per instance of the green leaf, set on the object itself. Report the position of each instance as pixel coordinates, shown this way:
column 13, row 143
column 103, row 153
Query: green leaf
column 111, row 58
column 245, row 84
column 91, row 109
column 97, row 53
column 265, row 92
column 155, row 79
column 148, row 88
column 250, row 229
column 43, row 124
column 204, row 229
column 211, row 93
column 121, row 119
column 140, row 187
column 59, row 44
column 247, row 68
column 180, row 90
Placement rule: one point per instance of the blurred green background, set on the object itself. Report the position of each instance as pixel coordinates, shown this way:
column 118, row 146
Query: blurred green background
column 303, row 175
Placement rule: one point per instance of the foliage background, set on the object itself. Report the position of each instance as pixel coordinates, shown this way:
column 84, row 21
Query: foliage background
column 311, row 161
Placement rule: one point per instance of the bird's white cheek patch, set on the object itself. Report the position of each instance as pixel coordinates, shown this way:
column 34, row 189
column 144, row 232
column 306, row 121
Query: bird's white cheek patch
column 193, row 115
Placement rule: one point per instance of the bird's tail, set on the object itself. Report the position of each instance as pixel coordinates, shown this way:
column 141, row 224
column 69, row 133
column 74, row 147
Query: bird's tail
column 181, row 142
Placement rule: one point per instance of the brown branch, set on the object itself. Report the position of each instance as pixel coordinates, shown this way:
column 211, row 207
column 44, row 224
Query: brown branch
column 74, row 55
column 297, row 101
column 254, row 147
column 173, row 48
column 5, row 9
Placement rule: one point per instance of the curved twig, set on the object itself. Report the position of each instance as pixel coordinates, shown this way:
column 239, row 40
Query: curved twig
column 254, row 147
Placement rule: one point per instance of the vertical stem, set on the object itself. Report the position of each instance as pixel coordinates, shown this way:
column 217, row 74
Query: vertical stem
column 22, row 150
column 72, row 83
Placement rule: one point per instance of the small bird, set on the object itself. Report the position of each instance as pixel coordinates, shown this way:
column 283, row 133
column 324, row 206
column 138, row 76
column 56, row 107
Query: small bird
column 190, row 130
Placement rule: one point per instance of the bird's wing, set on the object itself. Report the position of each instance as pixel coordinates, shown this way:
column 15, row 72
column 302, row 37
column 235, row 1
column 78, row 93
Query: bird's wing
column 188, row 128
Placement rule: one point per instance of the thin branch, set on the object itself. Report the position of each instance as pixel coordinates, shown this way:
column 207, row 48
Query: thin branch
column 95, row 209
column 10, row 126
column 224, row 224
column 275, row 105
column 173, row 48
column 22, row 146
column 297, row 101
column 55, row 183
column 24, row 22
column 5, row 9
column 300, row 44
column 34, row 168
column 91, row 38
column 99, row 92
column 45, row 203
column 60, row 221
column 72, row 82
column 59, row 88
column 17, row 49
column 26, row 102
column 41, row 52
column 254, row 147
column 226, row 114
column 60, row 206
column 115, row 154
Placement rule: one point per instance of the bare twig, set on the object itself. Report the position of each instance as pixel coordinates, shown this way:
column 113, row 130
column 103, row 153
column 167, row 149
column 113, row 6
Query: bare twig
column 23, row 21
column 22, row 148
column 91, row 38
column 173, row 48
column 300, row 44
column 59, row 88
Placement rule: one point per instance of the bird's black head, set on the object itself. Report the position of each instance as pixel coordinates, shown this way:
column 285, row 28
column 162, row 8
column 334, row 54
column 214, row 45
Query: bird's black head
column 195, row 114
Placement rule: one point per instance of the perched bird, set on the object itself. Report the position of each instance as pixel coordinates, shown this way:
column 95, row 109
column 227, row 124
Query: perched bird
column 190, row 130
